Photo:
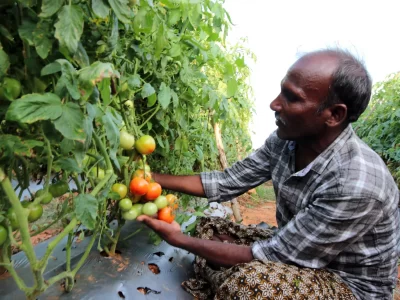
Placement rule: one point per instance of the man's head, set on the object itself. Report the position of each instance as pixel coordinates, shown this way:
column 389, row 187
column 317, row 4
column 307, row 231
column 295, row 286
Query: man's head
column 321, row 93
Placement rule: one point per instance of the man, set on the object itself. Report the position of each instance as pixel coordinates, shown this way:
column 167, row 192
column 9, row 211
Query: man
column 337, row 204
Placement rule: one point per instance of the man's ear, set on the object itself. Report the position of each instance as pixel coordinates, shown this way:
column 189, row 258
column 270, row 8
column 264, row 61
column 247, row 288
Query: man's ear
column 338, row 115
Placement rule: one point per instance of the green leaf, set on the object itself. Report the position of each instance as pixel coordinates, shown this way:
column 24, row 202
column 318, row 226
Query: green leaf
column 71, row 123
column 232, row 87
column 95, row 73
column 175, row 50
column 26, row 31
column 12, row 145
column 4, row 32
column 85, row 206
column 51, row 68
column 81, row 56
column 151, row 100
column 105, row 91
column 35, row 107
column 122, row 10
column 164, row 96
column 70, row 75
column 112, row 121
column 147, row 90
column 175, row 98
column 69, row 27
column 100, row 8
column 134, row 81
column 161, row 41
column 42, row 43
column 174, row 16
column 67, row 164
column 50, row 7
column 4, row 63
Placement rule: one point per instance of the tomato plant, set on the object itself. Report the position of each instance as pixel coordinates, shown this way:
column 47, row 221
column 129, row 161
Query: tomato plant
column 3, row 234
column 76, row 74
column 166, row 214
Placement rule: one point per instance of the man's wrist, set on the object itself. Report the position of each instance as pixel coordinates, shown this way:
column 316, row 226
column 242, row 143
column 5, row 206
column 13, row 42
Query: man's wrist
column 179, row 240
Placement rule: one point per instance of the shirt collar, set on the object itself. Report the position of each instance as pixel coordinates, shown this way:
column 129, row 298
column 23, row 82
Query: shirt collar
column 321, row 161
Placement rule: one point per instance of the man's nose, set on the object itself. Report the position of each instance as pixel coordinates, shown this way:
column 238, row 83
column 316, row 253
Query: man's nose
column 276, row 105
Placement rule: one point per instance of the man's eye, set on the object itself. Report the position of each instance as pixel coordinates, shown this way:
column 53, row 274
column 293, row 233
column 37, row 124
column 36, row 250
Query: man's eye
column 289, row 96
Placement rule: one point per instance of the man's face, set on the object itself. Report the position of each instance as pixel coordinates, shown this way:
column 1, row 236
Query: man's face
column 303, row 90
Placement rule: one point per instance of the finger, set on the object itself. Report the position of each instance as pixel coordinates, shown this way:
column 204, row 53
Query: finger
column 152, row 223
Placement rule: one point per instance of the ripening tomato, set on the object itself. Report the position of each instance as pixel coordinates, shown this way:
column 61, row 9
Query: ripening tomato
column 120, row 189
column 140, row 173
column 146, row 167
column 138, row 186
column 136, row 198
column 166, row 214
column 126, row 140
column 3, row 234
column 172, row 201
column 153, row 191
column 145, row 145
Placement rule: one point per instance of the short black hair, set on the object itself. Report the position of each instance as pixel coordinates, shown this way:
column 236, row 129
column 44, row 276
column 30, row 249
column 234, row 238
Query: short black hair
column 351, row 84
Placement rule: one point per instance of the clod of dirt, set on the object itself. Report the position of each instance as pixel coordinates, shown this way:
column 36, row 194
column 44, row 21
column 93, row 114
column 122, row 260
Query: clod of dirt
column 121, row 295
column 154, row 268
column 146, row 291
column 171, row 259
column 159, row 254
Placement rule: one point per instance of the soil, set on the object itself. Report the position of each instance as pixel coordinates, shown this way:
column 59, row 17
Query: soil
column 256, row 213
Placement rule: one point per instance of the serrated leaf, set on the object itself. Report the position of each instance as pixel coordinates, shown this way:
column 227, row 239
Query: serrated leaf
column 67, row 164
column 122, row 10
column 50, row 7
column 112, row 121
column 161, row 41
column 71, row 122
column 105, row 91
column 174, row 16
column 164, row 96
column 100, row 8
column 35, row 107
column 147, row 90
column 159, row 141
column 69, row 27
column 51, row 68
column 175, row 50
column 43, row 44
column 231, row 87
column 4, row 63
column 26, row 31
column 12, row 145
column 70, row 75
column 85, row 207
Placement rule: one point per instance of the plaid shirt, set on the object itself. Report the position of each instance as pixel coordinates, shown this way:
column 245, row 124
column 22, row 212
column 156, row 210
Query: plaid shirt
column 339, row 213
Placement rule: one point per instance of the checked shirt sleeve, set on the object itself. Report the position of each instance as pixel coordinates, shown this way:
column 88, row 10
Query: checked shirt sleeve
column 321, row 231
column 240, row 177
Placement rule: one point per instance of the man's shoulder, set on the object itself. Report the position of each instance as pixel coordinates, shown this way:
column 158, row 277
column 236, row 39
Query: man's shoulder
column 360, row 170
column 274, row 142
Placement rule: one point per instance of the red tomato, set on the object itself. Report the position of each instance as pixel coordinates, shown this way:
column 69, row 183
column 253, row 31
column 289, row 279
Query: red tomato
column 165, row 214
column 153, row 192
column 138, row 186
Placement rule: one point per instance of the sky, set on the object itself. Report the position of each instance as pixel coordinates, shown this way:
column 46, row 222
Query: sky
column 279, row 31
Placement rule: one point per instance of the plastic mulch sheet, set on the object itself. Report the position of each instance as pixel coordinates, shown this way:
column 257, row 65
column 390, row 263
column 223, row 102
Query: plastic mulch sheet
column 140, row 271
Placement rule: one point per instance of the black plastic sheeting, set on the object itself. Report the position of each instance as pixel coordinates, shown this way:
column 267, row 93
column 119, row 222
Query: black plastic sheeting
column 130, row 275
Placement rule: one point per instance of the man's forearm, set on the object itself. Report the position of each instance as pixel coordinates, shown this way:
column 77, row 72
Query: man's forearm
column 190, row 184
column 217, row 253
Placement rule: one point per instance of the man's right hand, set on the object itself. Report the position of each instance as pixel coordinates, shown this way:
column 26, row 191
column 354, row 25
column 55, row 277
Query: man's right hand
column 188, row 184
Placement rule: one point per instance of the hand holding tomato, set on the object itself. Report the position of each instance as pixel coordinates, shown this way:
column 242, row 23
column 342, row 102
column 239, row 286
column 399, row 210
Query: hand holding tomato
column 168, row 232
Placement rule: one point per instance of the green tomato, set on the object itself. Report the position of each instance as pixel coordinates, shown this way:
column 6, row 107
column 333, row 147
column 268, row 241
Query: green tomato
column 129, row 215
column 138, row 207
column 3, row 234
column 98, row 173
column 120, row 189
column 146, row 167
column 150, row 209
column 35, row 211
column 47, row 196
column 12, row 217
column 161, row 202
column 125, row 204
column 129, row 103
column 59, row 188
column 126, row 140
column 10, row 89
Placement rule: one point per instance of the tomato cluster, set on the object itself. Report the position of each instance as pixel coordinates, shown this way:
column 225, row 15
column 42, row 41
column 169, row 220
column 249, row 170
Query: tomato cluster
column 145, row 195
